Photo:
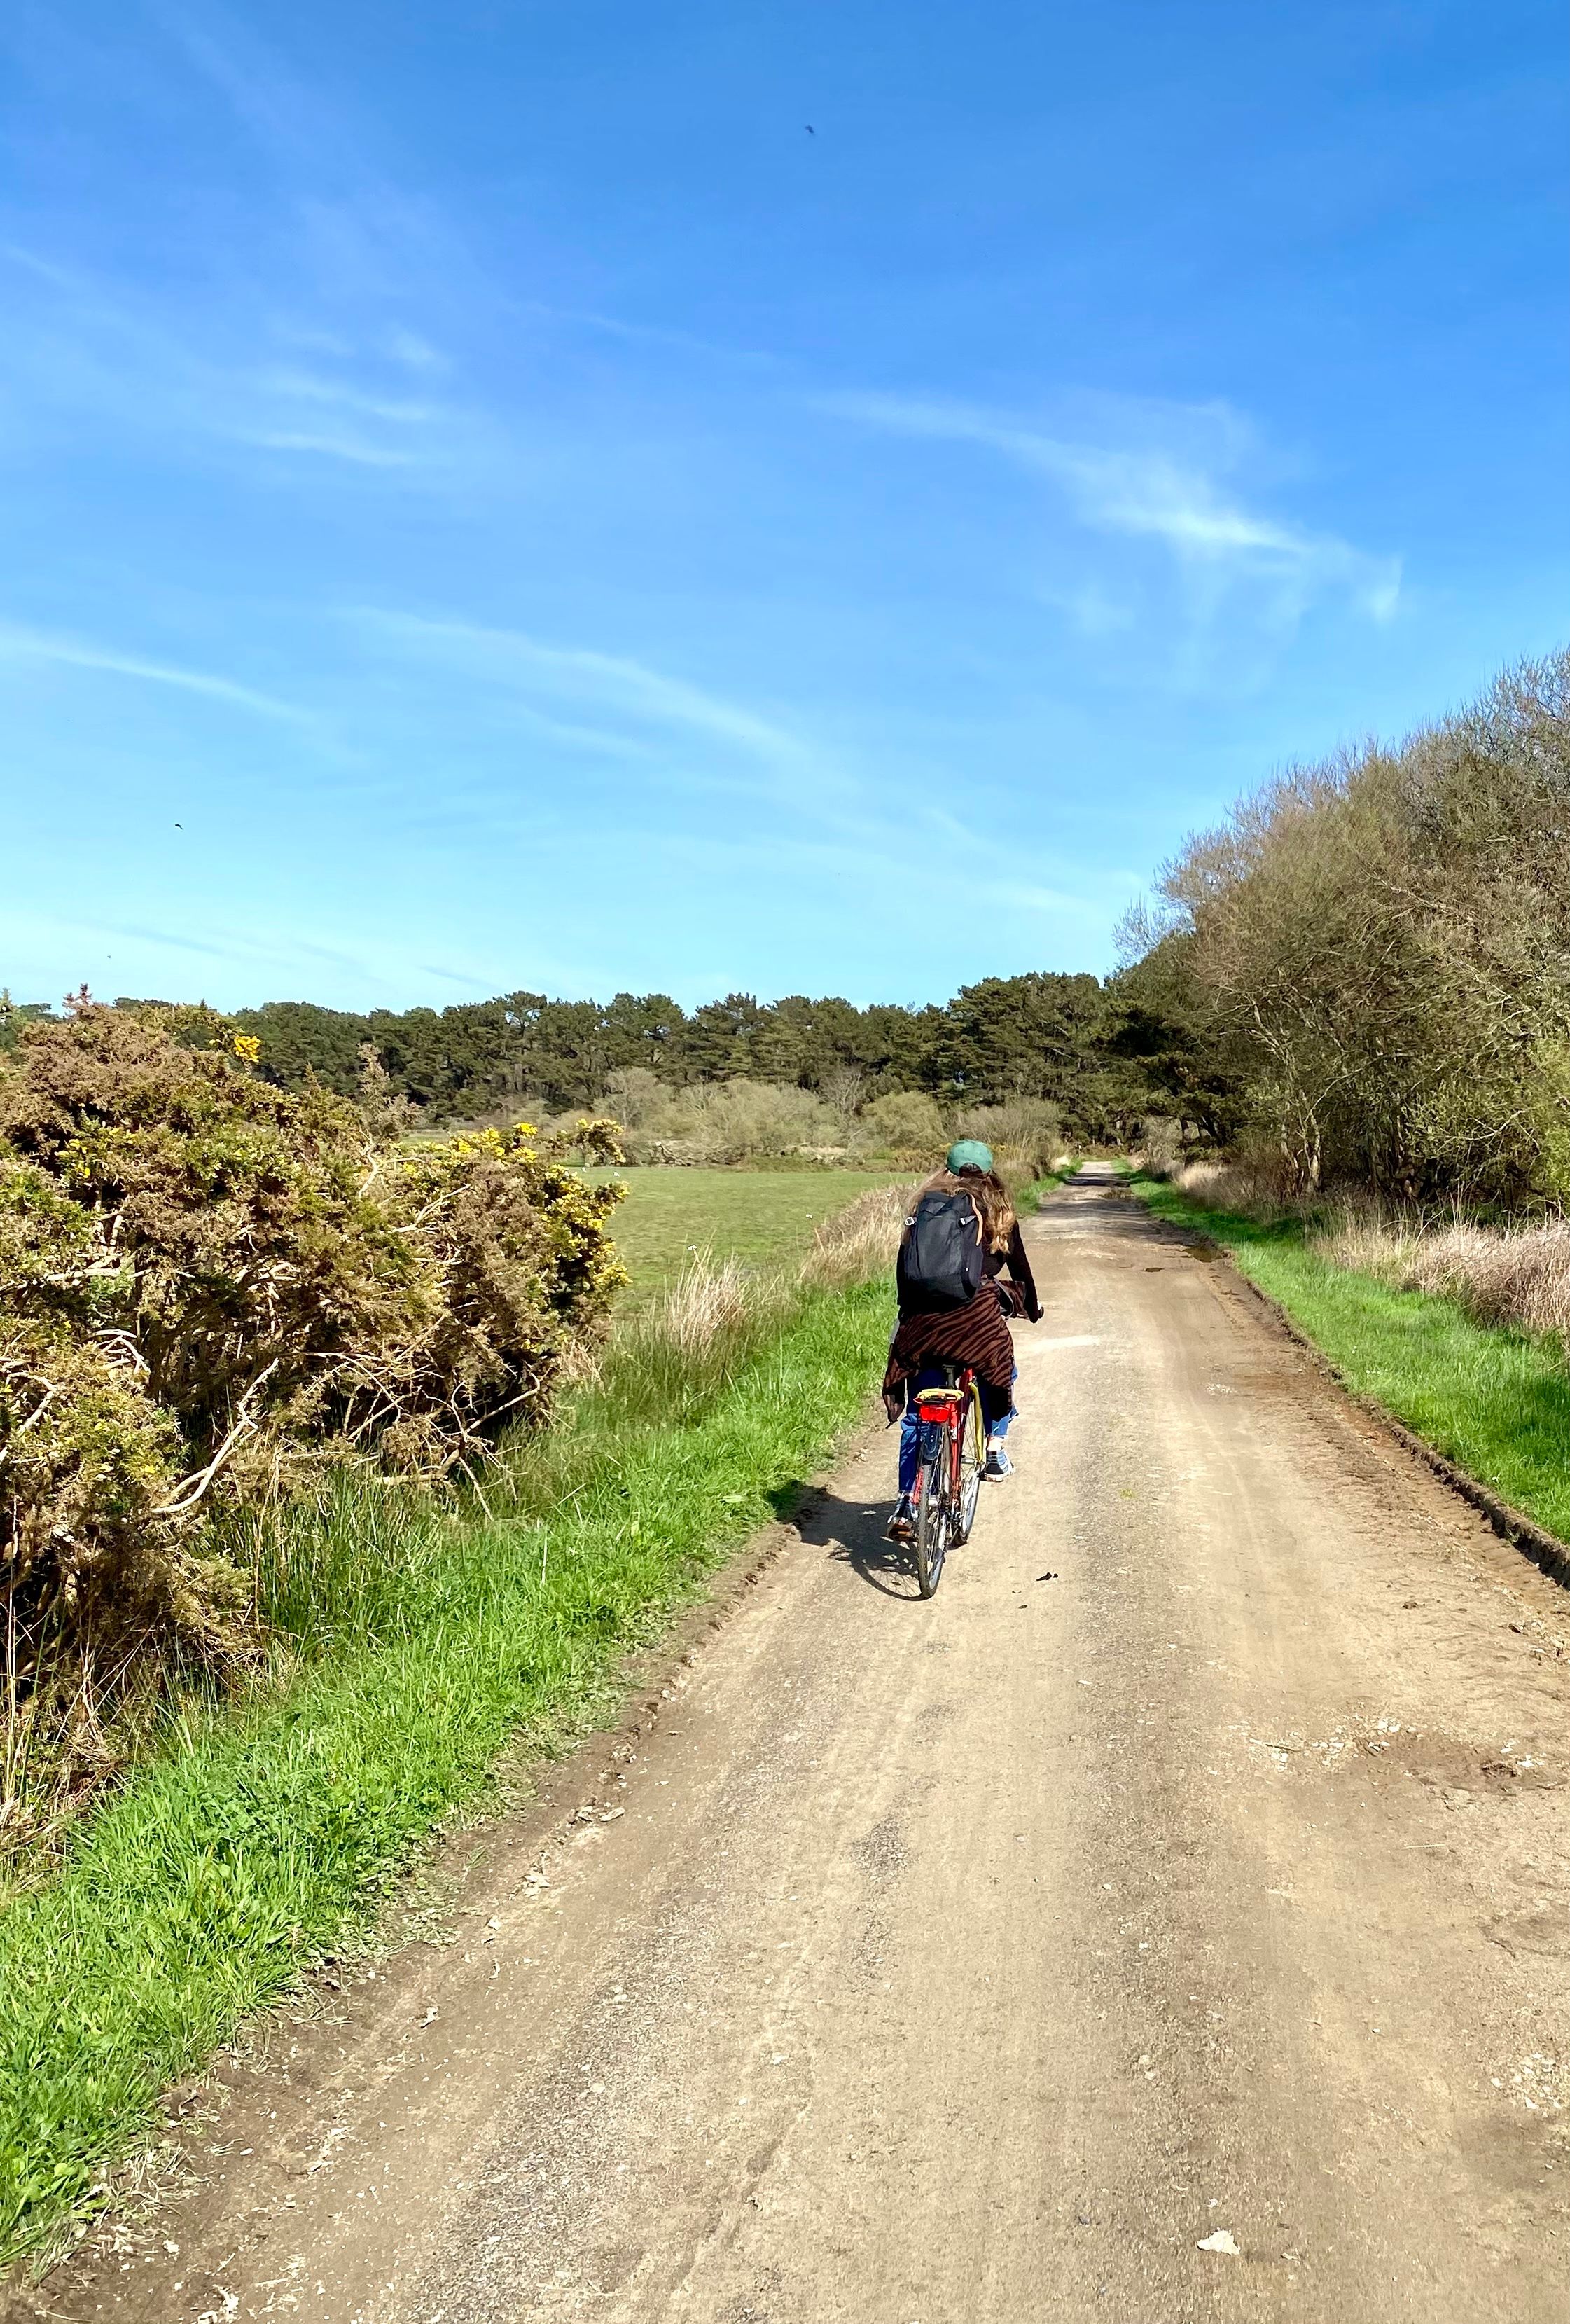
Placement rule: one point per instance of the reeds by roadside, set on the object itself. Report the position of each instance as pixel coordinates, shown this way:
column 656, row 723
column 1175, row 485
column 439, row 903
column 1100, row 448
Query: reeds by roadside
column 859, row 1241
column 1518, row 1277
column 1225, row 1186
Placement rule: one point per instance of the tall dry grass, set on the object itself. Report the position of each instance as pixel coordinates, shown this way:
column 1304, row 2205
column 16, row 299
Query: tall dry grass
column 1518, row 1277
column 685, row 1345
column 1217, row 1185
column 859, row 1243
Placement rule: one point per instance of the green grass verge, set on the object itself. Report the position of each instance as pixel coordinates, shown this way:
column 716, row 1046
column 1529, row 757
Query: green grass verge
column 1030, row 1197
column 1495, row 1402
column 755, row 1215
column 197, row 1893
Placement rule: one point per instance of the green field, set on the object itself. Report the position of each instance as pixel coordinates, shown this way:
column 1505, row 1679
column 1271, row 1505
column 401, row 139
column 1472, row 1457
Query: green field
column 756, row 1215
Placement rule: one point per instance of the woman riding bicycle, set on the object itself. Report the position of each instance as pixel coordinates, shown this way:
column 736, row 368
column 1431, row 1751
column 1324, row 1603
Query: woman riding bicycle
column 934, row 1330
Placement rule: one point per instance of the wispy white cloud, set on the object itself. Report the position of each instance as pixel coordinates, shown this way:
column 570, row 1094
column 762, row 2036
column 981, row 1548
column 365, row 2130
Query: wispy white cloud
column 1056, row 903
column 366, row 234
column 810, row 812
column 194, row 381
column 417, row 355
column 307, row 334
column 1158, row 490
column 329, row 444
column 813, row 817
column 309, row 387
column 19, row 643
column 1092, row 610
column 329, row 332
column 76, row 937
column 654, row 335
column 610, row 683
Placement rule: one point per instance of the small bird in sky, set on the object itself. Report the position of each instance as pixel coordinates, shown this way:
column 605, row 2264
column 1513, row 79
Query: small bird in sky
column 809, row 128
column 179, row 827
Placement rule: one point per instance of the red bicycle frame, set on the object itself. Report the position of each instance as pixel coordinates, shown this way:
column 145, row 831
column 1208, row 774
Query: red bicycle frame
column 943, row 1407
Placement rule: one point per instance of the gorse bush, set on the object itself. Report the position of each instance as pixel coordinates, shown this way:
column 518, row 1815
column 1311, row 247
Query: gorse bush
column 210, row 1288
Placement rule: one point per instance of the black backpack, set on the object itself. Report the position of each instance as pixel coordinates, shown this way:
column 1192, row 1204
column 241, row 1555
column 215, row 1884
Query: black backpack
column 941, row 1262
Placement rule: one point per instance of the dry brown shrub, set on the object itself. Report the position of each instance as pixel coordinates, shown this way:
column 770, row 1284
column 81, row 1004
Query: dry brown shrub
column 903, row 1122
column 1366, row 966
column 1025, row 1135
column 714, row 1123
column 1217, row 1185
column 1161, row 1145
column 1519, row 1278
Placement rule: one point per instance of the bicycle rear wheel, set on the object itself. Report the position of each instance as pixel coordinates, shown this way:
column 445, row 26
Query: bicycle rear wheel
column 972, row 1460
column 933, row 1512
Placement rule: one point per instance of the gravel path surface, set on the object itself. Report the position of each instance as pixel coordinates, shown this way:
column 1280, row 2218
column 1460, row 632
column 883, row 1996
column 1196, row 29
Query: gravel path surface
column 1169, row 1922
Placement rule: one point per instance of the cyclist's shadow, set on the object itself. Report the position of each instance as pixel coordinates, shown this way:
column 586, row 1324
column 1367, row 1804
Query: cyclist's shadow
column 852, row 1532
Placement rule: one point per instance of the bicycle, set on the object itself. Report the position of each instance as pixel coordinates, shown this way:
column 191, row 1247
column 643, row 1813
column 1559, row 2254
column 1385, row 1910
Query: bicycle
column 953, row 1452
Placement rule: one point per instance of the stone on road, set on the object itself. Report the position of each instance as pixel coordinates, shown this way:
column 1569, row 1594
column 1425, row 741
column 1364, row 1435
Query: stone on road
column 1167, row 1921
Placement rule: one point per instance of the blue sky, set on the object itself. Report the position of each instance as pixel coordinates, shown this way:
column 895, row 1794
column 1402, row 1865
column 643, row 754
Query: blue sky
column 493, row 501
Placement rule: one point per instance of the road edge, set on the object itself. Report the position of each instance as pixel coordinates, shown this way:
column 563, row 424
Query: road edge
column 1546, row 1551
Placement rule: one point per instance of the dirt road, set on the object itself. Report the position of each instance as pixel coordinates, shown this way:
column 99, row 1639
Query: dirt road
column 1195, row 1865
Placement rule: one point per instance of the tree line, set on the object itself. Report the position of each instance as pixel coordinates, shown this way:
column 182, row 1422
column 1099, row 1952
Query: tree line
column 1069, row 1038
column 1364, row 973
column 1073, row 1039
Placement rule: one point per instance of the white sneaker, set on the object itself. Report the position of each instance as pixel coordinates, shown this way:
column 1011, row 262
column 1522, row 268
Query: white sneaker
column 998, row 1464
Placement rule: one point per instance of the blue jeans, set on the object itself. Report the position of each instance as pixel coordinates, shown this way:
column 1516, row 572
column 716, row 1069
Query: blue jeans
column 996, row 1411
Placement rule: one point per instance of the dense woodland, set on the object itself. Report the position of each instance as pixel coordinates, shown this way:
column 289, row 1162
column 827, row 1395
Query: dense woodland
column 1067, row 1038
column 1032, row 1036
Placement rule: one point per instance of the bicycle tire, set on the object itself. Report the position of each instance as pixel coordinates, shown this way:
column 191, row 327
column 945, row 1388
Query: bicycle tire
column 933, row 1514
column 972, row 1460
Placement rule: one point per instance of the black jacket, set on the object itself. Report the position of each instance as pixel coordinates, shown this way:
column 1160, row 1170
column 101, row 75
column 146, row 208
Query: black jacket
column 1019, row 1268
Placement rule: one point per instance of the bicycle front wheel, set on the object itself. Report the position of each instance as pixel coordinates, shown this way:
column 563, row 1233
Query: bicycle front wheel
column 933, row 1514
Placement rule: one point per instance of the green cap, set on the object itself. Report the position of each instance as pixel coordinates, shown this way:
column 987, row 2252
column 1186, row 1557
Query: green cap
column 969, row 1154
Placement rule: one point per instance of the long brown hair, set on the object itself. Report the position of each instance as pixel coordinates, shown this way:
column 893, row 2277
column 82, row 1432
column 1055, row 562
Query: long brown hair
column 990, row 1196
